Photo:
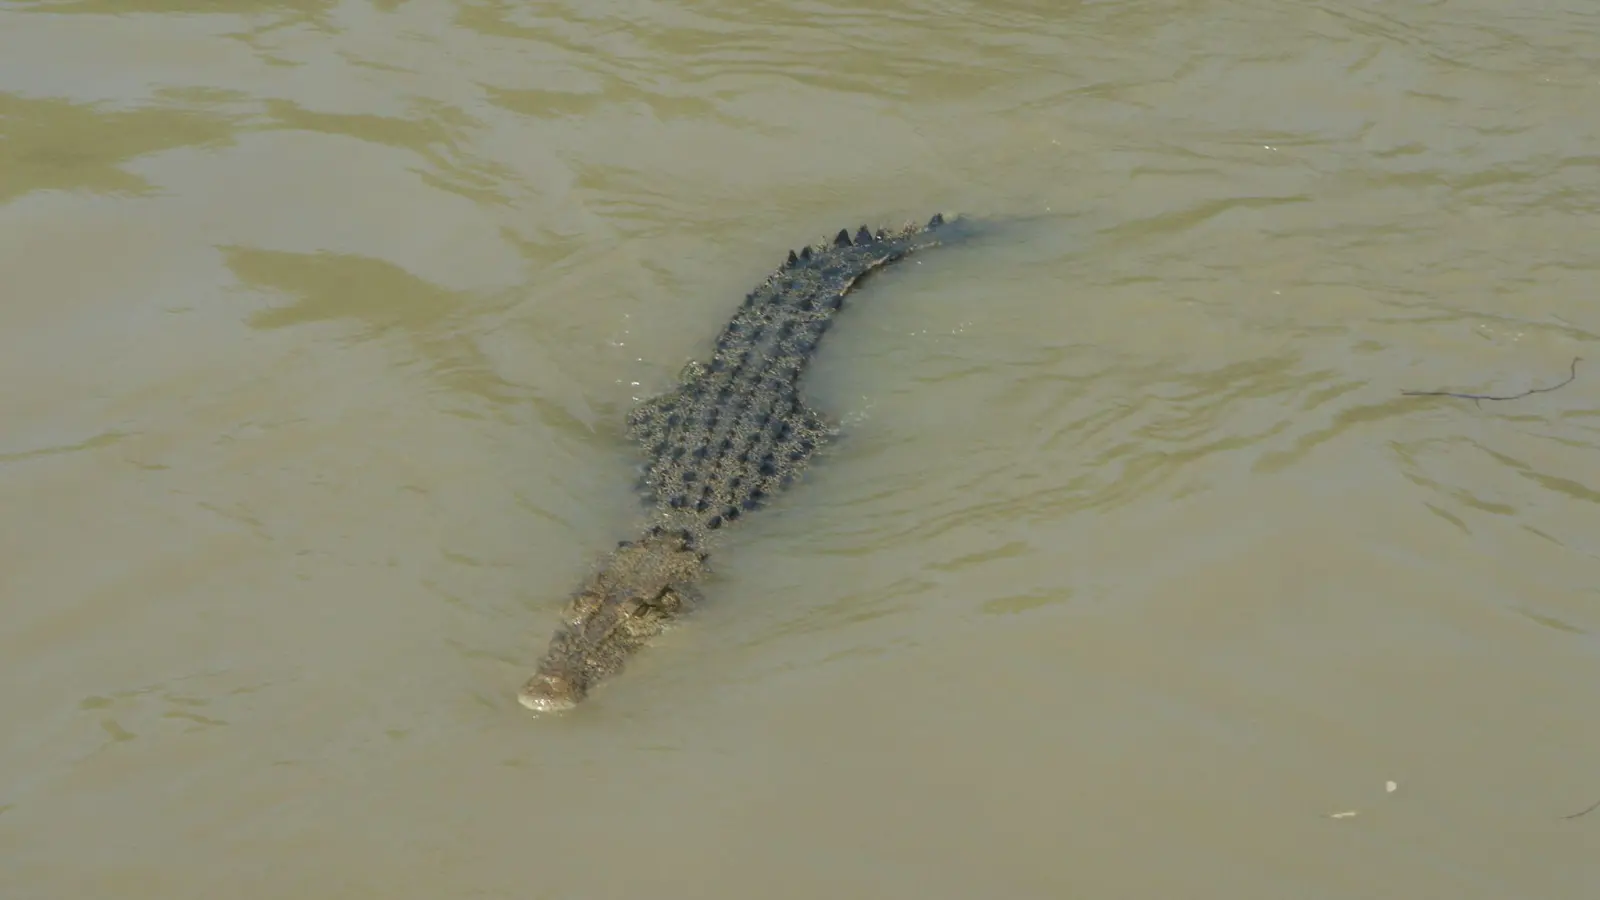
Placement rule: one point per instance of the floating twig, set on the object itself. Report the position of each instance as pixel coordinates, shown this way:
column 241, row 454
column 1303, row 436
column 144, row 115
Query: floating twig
column 1572, row 375
column 1592, row 807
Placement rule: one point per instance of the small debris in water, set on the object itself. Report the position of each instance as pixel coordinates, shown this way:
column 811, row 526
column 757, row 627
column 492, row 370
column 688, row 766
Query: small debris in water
column 1388, row 786
column 1592, row 807
column 1572, row 375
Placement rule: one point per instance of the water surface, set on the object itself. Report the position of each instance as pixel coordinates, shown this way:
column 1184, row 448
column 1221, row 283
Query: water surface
column 1133, row 575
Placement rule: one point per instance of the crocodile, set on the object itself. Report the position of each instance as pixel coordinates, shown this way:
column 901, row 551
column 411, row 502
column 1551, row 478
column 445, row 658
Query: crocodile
column 733, row 433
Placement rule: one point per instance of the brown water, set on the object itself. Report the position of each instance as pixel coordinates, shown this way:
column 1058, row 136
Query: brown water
column 1134, row 574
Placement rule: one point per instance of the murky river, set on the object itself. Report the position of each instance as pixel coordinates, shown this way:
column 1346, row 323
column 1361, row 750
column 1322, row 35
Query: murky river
column 1133, row 574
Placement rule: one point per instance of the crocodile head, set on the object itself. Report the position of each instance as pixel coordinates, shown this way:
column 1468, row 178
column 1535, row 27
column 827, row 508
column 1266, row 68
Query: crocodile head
column 633, row 597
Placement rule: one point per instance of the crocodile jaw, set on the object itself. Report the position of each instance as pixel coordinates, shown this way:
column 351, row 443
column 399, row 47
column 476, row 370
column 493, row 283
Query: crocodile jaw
column 641, row 587
column 547, row 693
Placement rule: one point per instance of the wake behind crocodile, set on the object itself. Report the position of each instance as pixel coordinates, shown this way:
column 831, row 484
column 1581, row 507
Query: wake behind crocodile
column 734, row 433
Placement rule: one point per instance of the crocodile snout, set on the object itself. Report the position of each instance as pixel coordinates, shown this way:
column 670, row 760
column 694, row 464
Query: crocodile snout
column 546, row 693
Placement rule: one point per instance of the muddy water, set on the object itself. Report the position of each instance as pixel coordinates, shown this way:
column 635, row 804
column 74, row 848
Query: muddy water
column 1134, row 574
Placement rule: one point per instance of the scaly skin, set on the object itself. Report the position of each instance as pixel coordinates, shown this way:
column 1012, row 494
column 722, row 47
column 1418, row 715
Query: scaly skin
column 733, row 434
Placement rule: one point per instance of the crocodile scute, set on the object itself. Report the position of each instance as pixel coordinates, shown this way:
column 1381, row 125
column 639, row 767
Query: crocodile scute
column 731, row 435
